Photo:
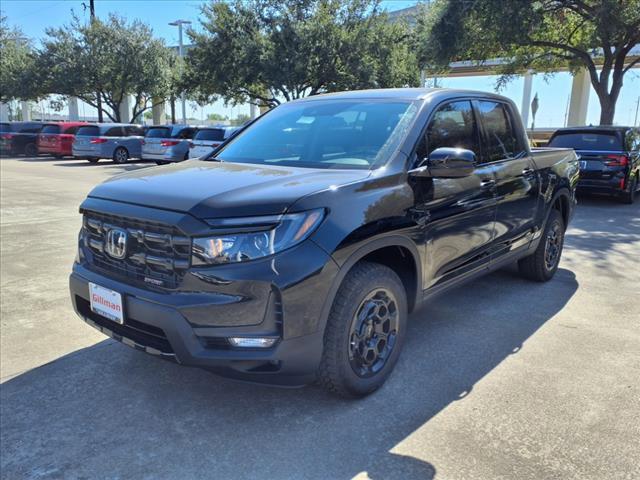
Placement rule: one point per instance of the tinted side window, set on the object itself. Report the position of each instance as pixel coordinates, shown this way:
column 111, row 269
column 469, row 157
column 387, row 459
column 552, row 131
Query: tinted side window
column 31, row 128
column 501, row 139
column 50, row 129
column 113, row 132
column 186, row 133
column 133, row 131
column 215, row 134
column 452, row 125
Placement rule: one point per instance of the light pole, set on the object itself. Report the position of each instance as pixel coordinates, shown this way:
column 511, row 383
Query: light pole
column 179, row 23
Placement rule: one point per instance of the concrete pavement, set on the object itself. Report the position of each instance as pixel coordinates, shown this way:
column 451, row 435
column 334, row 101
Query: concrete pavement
column 502, row 378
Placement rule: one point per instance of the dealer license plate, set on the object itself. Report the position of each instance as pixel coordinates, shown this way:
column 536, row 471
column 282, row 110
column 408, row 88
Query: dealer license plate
column 106, row 302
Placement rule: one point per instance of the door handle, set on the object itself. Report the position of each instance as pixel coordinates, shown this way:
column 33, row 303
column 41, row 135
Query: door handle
column 528, row 171
column 487, row 183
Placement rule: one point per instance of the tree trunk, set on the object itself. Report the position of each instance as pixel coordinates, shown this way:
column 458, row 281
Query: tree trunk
column 607, row 110
column 172, row 102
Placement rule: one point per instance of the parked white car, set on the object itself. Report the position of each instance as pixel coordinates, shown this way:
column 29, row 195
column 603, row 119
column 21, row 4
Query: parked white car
column 208, row 139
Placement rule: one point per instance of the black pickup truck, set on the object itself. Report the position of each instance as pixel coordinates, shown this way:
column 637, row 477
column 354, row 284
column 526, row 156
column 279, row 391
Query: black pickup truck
column 295, row 251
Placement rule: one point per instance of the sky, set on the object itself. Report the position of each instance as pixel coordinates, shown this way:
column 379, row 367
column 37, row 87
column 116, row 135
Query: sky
column 34, row 16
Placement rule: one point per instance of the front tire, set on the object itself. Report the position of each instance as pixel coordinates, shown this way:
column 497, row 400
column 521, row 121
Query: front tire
column 542, row 265
column 120, row 155
column 365, row 331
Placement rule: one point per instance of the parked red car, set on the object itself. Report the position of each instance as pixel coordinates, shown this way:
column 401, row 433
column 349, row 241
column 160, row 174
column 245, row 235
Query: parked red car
column 56, row 138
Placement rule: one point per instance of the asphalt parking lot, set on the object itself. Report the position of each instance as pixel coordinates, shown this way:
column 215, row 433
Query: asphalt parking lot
column 502, row 378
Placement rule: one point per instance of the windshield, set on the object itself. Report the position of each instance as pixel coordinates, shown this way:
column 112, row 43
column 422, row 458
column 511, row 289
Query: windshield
column 216, row 134
column 588, row 141
column 90, row 130
column 158, row 132
column 50, row 129
column 357, row 134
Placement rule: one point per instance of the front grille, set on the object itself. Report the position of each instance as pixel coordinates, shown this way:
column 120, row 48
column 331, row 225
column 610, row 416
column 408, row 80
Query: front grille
column 157, row 255
column 141, row 333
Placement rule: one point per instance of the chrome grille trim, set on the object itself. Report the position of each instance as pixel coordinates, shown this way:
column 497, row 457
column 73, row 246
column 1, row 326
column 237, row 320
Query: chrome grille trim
column 157, row 254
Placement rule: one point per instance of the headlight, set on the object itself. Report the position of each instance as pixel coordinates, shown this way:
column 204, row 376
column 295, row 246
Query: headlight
column 245, row 239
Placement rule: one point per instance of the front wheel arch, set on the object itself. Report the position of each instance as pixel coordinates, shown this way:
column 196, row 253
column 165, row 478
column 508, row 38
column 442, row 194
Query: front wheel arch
column 414, row 296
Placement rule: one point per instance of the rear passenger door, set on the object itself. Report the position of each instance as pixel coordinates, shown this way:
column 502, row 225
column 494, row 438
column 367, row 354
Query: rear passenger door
column 460, row 212
column 517, row 181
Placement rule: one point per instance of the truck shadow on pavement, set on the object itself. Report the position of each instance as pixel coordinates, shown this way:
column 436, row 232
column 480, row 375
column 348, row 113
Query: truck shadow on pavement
column 109, row 411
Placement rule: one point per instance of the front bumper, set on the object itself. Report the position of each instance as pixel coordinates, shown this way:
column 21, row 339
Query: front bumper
column 191, row 327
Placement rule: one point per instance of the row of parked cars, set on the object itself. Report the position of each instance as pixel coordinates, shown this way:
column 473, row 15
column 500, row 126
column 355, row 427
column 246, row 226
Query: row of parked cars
column 117, row 141
column 609, row 156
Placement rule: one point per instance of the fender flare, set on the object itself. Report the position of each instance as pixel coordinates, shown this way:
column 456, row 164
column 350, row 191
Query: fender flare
column 562, row 191
column 359, row 254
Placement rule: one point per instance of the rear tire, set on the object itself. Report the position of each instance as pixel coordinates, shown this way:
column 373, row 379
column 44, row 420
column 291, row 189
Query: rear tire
column 365, row 331
column 629, row 197
column 542, row 265
column 31, row 150
column 120, row 155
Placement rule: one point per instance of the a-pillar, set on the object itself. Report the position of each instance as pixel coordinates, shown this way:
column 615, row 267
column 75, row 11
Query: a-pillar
column 526, row 98
column 159, row 116
column 74, row 114
column 580, row 89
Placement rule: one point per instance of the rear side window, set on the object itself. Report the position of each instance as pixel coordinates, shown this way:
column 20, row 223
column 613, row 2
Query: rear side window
column 501, row 139
column 215, row 134
column 134, row 131
column 50, row 129
column 30, row 128
column 185, row 133
column 158, row 132
column 587, row 141
column 452, row 125
column 91, row 130
column 113, row 132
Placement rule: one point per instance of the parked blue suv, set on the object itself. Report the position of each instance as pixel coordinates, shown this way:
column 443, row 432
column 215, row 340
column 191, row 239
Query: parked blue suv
column 118, row 141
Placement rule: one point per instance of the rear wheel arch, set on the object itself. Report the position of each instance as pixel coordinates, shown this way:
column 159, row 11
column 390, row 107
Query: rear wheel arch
column 561, row 201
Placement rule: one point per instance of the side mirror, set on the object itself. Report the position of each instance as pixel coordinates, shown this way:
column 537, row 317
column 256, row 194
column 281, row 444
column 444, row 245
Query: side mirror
column 447, row 163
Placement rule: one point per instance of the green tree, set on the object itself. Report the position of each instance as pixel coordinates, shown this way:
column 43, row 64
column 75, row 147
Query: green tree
column 112, row 59
column 542, row 35
column 266, row 51
column 240, row 119
column 17, row 64
column 216, row 117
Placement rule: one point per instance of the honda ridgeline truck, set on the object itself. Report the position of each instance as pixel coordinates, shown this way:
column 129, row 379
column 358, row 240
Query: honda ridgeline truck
column 295, row 252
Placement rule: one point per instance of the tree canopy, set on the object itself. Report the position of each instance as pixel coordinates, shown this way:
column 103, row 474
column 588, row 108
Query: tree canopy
column 17, row 63
column 112, row 59
column 540, row 34
column 267, row 51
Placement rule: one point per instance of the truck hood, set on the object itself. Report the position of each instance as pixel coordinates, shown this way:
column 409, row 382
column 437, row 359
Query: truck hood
column 209, row 189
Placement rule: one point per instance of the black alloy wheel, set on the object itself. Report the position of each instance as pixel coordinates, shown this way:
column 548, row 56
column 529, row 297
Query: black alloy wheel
column 373, row 332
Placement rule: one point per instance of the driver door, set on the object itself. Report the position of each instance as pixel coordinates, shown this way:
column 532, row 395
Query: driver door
column 458, row 213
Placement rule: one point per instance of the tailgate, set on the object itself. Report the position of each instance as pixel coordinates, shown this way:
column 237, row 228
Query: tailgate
column 594, row 163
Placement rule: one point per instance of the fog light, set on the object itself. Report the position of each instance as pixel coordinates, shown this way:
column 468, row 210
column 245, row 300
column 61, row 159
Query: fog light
column 252, row 342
